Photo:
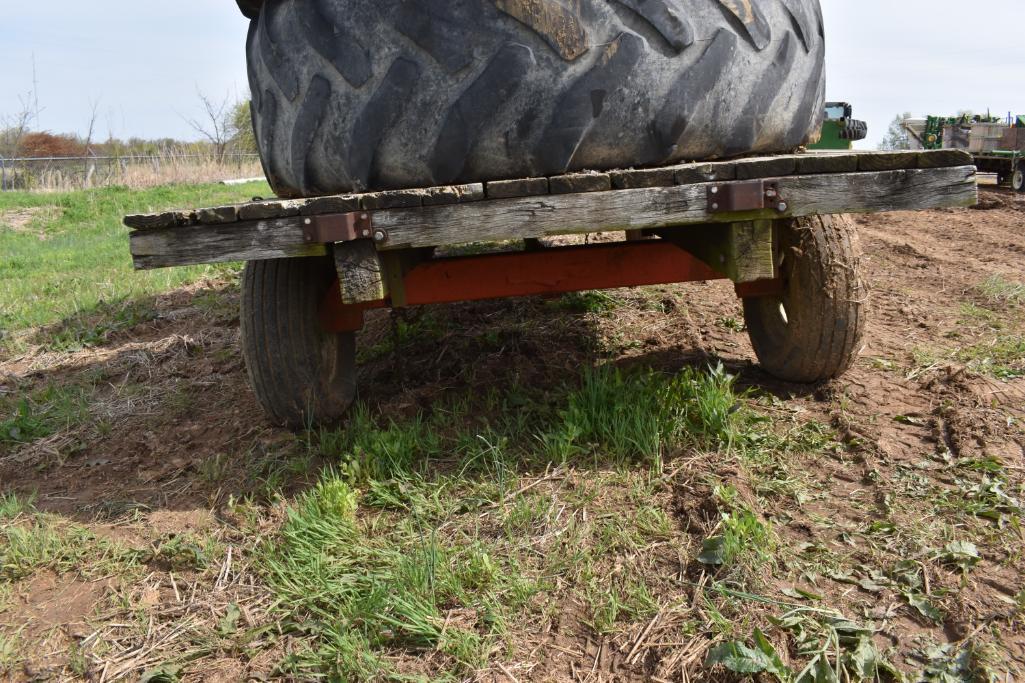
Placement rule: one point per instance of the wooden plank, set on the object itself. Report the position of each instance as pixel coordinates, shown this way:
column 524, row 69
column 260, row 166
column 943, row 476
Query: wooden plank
column 708, row 172
column 360, row 275
column 166, row 219
column 944, row 158
column 217, row 215
column 522, row 218
column 453, row 194
column 523, row 187
column 766, row 167
column 808, row 164
column 279, row 208
column 579, row 182
column 672, row 206
column 182, row 246
column 631, row 179
column 886, row 161
column 335, row 203
column 392, row 199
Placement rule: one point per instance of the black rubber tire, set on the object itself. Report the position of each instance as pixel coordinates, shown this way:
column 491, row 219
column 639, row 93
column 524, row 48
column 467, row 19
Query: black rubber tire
column 813, row 331
column 301, row 375
column 854, row 130
column 356, row 95
column 1018, row 177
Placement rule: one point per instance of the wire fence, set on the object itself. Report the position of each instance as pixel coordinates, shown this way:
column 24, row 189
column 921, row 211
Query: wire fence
column 67, row 173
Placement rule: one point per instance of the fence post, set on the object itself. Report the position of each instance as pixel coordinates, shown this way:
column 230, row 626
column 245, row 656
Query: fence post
column 3, row 175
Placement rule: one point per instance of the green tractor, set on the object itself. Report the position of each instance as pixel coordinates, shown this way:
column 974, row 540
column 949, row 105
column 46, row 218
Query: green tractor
column 839, row 129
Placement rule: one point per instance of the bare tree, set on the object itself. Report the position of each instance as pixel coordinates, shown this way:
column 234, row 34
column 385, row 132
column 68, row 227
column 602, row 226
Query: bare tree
column 14, row 127
column 216, row 123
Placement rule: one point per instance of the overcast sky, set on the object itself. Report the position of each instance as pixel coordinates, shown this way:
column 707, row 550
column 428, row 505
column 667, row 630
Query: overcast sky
column 143, row 61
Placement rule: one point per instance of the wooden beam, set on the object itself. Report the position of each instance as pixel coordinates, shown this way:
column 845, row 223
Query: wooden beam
column 196, row 244
column 535, row 217
column 665, row 207
column 360, row 274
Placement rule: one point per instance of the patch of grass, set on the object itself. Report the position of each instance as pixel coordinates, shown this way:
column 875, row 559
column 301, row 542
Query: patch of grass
column 25, row 418
column 359, row 589
column 33, row 541
column 1001, row 290
column 646, row 415
column 1002, row 357
column 74, row 265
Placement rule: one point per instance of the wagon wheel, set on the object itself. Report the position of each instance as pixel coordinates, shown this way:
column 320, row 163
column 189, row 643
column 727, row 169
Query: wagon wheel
column 300, row 374
column 1018, row 177
column 813, row 330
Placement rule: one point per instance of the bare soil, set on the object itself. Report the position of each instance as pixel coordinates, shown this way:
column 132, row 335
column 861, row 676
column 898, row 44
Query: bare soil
column 177, row 431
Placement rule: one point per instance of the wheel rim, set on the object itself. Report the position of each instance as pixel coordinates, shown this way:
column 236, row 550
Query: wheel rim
column 1018, row 180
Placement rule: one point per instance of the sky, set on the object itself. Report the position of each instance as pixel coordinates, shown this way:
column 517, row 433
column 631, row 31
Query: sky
column 141, row 63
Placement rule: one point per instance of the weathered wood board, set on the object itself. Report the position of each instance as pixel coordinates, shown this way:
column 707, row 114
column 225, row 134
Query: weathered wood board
column 642, row 208
column 668, row 176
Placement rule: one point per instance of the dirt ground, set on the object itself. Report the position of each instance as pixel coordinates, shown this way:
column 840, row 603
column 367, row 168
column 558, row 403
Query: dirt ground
column 175, row 433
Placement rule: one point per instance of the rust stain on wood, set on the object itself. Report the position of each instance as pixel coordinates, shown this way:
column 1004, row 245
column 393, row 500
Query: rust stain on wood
column 557, row 24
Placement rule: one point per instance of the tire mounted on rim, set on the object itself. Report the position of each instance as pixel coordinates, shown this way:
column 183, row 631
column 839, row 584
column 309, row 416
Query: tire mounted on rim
column 813, row 331
column 301, row 375
column 1018, row 177
column 357, row 95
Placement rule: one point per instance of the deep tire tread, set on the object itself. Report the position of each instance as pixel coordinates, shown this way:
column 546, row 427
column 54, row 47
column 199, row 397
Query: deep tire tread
column 371, row 94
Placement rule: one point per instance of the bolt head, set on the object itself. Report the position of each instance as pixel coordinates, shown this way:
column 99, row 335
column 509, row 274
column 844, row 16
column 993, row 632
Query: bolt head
column 715, row 207
column 366, row 233
column 380, row 236
column 308, row 221
column 783, row 206
column 715, row 190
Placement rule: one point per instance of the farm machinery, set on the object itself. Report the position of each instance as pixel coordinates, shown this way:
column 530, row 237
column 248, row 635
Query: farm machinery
column 394, row 133
column 997, row 145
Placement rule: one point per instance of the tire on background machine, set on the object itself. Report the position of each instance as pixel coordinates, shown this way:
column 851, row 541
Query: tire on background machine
column 1018, row 177
column 813, row 331
column 301, row 375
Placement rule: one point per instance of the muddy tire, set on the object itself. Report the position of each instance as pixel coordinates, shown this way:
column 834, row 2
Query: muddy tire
column 301, row 375
column 1018, row 177
column 813, row 331
column 355, row 95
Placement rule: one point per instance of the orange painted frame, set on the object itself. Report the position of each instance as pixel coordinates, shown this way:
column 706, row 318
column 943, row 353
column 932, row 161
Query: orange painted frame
column 549, row 271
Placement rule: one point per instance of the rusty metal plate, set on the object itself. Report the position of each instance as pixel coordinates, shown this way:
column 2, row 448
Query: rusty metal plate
column 752, row 195
column 337, row 227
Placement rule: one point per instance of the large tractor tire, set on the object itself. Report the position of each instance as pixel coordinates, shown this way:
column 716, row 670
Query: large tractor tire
column 357, row 95
column 813, row 330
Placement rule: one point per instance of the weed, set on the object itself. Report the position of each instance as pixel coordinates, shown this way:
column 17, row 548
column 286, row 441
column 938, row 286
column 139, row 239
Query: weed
column 744, row 539
column 41, row 413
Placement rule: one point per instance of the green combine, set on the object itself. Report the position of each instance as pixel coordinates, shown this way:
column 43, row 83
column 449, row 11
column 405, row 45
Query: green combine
column 839, row 129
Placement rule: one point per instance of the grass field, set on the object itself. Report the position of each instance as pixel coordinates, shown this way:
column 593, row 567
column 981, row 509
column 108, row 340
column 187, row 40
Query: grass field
column 596, row 487
column 65, row 258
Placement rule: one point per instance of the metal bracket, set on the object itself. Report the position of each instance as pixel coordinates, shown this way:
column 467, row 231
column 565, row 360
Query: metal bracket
column 337, row 227
column 752, row 195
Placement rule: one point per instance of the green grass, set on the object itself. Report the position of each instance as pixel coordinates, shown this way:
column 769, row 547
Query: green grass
column 31, row 541
column 26, row 417
column 1002, row 290
column 71, row 260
